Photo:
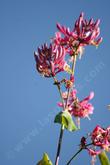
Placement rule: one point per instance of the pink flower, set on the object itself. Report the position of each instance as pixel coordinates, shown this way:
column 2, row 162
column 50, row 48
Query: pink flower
column 100, row 140
column 85, row 32
column 58, row 40
column 78, row 108
column 101, row 137
column 82, row 108
column 71, row 98
column 50, row 60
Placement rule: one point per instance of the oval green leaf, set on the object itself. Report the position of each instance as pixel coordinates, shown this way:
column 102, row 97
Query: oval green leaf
column 64, row 118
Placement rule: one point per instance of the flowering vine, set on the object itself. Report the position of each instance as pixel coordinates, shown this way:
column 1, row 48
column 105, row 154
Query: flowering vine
column 61, row 56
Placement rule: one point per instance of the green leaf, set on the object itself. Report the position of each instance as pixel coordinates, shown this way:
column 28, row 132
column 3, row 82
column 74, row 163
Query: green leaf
column 45, row 160
column 64, row 118
column 104, row 159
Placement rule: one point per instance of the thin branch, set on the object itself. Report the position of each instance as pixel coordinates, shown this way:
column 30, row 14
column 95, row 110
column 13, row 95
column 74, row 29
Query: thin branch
column 74, row 156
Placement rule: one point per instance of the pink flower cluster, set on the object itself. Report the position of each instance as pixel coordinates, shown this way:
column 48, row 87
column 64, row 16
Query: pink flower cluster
column 100, row 138
column 76, row 107
column 50, row 60
column 85, row 32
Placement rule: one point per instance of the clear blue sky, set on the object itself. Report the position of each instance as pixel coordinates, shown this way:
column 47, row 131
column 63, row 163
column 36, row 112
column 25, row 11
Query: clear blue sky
column 27, row 101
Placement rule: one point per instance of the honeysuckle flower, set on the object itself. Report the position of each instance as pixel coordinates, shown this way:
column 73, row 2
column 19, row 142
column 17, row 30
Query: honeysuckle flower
column 70, row 46
column 58, row 40
column 85, row 32
column 99, row 141
column 50, row 60
column 101, row 137
column 82, row 108
column 78, row 108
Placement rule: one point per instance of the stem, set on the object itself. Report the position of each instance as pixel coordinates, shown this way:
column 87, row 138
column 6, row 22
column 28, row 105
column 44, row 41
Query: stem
column 74, row 156
column 64, row 106
column 59, row 89
column 62, row 127
column 59, row 145
column 78, row 152
column 74, row 63
column 88, row 144
column 73, row 69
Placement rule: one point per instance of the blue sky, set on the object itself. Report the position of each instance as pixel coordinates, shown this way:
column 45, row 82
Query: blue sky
column 28, row 102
